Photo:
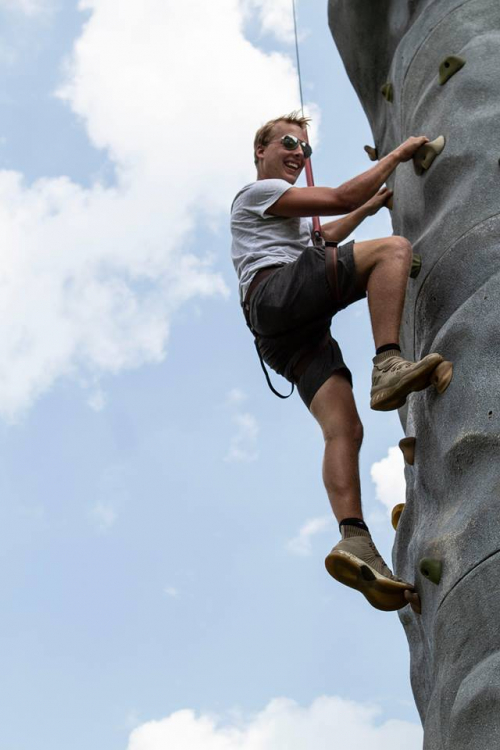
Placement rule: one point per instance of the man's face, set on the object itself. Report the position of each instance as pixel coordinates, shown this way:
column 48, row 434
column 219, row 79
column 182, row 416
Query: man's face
column 277, row 162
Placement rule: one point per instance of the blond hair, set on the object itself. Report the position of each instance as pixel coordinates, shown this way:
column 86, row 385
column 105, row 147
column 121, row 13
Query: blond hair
column 264, row 134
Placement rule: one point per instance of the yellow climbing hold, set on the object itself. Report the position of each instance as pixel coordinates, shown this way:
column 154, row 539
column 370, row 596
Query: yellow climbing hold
column 426, row 154
column 396, row 514
column 449, row 67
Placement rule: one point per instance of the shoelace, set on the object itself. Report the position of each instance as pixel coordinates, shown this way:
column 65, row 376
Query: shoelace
column 382, row 569
column 402, row 365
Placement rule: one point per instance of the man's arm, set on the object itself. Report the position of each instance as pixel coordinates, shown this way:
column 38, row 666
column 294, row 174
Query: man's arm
column 324, row 201
column 336, row 231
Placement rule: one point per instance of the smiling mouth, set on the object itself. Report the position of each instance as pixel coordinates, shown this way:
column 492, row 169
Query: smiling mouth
column 294, row 166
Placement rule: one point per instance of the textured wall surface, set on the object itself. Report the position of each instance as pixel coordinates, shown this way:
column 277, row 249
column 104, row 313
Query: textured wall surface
column 451, row 214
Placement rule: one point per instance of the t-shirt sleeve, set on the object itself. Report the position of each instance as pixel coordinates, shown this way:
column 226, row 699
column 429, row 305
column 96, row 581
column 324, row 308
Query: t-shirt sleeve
column 262, row 194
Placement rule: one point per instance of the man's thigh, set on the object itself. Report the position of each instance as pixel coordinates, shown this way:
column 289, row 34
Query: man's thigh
column 324, row 363
column 293, row 296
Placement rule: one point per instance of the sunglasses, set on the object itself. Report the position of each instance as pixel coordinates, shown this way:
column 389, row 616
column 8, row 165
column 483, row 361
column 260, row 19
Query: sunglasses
column 291, row 142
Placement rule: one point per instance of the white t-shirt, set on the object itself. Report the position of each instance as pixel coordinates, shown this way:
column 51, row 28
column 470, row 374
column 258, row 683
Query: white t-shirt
column 261, row 239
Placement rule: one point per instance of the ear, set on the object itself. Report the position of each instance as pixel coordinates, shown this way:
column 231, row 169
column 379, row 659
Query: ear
column 259, row 152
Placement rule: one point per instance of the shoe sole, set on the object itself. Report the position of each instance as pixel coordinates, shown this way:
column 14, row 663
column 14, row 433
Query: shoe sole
column 394, row 397
column 382, row 593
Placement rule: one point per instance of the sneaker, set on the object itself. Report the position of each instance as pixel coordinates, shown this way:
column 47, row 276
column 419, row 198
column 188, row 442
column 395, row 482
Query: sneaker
column 393, row 378
column 356, row 562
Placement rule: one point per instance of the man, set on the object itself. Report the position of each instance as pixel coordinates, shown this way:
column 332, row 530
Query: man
column 290, row 289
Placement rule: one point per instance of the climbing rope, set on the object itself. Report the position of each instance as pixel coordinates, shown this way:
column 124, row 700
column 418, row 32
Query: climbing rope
column 308, row 165
column 297, row 55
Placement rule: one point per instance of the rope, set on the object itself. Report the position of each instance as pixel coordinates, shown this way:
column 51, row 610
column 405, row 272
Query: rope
column 298, row 56
column 309, row 173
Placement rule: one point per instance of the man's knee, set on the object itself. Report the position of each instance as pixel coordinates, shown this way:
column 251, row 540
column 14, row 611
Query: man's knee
column 351, row 432
column 397, row 249
column 372, row 253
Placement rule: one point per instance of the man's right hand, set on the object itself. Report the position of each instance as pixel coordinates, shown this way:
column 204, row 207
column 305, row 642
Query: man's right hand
column 408, row 148
column 377, row 202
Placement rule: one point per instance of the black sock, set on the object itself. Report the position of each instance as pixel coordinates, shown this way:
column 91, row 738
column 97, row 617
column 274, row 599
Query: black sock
column 387, row 347
column 354, row 522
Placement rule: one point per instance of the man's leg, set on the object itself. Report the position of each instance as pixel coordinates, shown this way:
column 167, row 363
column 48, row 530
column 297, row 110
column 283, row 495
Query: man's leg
column 334, row 408
column 354, row 561
column 382, row 268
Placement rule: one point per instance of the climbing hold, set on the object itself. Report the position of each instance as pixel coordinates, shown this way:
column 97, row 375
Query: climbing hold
column 413, row 600
column 396, row 514
column 431, row 569
column 407, row 446
column 416, row 266
column 387, row 91
column 442, row 375
column 449, row 67
column 372, row 152
column 426, row 154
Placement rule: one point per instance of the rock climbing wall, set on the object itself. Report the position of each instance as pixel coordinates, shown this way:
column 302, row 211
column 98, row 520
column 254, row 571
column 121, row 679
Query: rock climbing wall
column 401, row 56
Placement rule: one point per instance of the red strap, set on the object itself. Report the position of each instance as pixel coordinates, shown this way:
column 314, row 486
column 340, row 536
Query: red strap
column 310, row 183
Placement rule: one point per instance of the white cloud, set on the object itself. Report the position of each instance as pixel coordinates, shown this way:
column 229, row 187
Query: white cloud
column 275, row 17
column 244, row 442
column 389, row 479
column 283, row 725
column 104, row 516
column 302, row 543
column 91, row 279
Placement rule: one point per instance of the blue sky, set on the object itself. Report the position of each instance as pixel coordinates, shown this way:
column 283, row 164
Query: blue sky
column 163, row 523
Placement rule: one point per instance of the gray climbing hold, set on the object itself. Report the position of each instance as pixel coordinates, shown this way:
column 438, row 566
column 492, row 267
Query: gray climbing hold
column 431, row 569
column 416, row 266
column 372, row 152
column 407, row 446
column 387, row 91
column 449, row 67
column 426, row 154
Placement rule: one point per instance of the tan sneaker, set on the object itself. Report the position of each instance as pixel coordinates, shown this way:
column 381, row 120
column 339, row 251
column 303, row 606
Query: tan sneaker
column 393, row 378
column 356, row 562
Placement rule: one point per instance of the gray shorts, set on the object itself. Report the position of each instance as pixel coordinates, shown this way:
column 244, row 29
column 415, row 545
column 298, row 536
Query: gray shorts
column 291, row 312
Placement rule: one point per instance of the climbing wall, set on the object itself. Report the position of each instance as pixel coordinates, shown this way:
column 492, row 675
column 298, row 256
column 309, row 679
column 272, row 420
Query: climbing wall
column 432, row 67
